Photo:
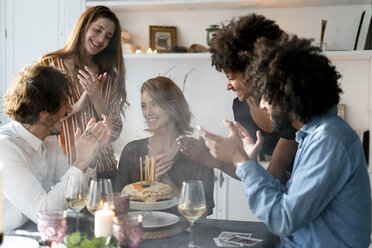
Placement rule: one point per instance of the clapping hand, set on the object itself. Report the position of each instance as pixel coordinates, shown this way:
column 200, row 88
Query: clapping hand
column 88, row 143
column 197, row 150
column 90, row 81
column 237, row 147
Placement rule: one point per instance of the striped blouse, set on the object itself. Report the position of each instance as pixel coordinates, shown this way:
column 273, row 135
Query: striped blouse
column 105, row 161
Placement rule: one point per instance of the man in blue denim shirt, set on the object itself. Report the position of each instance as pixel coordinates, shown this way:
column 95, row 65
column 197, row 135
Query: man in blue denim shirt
column 327, row 201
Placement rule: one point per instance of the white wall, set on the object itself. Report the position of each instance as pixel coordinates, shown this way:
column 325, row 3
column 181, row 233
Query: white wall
column 340, row 33
column 33, row 28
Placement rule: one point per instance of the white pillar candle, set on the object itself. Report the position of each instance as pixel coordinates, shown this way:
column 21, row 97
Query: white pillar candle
column 103, row 222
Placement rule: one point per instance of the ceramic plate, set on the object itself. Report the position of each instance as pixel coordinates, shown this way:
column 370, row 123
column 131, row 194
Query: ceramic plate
column 135, row 205
column 155, row 219
column 19, row 241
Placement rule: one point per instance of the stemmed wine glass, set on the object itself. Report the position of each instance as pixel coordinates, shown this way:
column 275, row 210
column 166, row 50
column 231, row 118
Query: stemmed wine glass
column 192, row 205
column 100, row 192
column 76, row 194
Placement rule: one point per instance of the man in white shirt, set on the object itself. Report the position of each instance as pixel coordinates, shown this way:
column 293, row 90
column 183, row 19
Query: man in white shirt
column 35, row 169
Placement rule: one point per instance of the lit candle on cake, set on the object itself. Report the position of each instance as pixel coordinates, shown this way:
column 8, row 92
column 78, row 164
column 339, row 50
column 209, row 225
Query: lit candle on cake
column 147, row 169
column 141, row 171
column 103, row 222
column 152, row 170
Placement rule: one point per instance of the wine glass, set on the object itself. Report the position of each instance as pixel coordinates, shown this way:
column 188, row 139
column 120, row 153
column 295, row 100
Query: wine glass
column 52, row 225
column 76, row 194
column 100, row 192
column 192, row 205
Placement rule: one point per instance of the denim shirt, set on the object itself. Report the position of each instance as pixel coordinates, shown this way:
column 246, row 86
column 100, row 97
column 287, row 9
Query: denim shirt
column 327, row 201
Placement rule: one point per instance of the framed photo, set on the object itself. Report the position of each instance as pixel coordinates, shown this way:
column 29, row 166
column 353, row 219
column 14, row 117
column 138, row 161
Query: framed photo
column 162, row 38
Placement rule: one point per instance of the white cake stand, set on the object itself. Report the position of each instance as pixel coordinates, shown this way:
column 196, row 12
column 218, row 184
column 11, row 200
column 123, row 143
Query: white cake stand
column 152, row 218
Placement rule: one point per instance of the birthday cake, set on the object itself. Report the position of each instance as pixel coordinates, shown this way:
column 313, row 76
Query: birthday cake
column 148, row 193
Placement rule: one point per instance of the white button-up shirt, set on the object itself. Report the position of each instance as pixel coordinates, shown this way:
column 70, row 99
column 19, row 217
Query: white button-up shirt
column 35, row 174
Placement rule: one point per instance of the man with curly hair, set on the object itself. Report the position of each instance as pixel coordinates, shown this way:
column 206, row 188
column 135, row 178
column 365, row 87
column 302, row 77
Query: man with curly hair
column 232, row 50
column 327, row 201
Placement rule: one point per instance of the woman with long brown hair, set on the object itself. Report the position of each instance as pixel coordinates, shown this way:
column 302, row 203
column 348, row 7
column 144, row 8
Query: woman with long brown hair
column 167, row 116
column 92, row 59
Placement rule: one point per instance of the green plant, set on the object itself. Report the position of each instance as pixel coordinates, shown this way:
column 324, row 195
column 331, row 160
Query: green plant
column 76, row 240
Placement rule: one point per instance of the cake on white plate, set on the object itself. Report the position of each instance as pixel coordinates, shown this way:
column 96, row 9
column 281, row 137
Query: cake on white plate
column 148, row 193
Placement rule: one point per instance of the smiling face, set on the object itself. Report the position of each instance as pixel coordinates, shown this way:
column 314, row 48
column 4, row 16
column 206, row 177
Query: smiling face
column 156, row 117
column 235, row 82
column 98, row 35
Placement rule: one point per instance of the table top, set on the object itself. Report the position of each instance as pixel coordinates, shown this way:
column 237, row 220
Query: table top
column 204, row 231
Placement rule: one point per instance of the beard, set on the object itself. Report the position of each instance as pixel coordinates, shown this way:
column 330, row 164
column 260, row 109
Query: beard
column 52, row 124
column 281, row 120
column 55, row 131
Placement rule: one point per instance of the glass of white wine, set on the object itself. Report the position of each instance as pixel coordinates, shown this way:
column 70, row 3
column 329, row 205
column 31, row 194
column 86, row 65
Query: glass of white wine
column 76, row 194
column 100, row 192
column 192, row 205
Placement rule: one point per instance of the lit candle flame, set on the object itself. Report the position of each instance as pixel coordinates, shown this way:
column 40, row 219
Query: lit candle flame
column 105, row 206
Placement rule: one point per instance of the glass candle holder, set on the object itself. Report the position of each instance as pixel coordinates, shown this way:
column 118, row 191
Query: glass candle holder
column 52, row 225
column 210, row 31
column 127, row 230
column 121, row 202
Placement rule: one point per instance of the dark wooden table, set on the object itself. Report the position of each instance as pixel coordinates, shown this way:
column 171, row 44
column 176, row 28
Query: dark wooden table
column 204, row 231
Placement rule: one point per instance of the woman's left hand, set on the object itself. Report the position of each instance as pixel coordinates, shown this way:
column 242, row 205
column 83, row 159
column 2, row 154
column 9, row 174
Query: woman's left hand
column 163, row 165
column 90, row 81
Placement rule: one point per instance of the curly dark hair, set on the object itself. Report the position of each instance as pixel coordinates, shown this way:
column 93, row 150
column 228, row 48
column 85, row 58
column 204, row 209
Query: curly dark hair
column 35, row 89
column 294, row 75
column 232, row 45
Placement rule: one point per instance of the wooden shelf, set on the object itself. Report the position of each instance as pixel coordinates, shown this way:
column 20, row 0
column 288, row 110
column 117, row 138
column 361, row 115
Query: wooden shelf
column 168, row 56
column 165, row 5
column 334, row 55
column 349, row 55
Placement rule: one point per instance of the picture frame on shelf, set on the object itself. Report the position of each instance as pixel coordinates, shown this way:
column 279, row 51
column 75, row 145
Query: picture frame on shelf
column 162, row 38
